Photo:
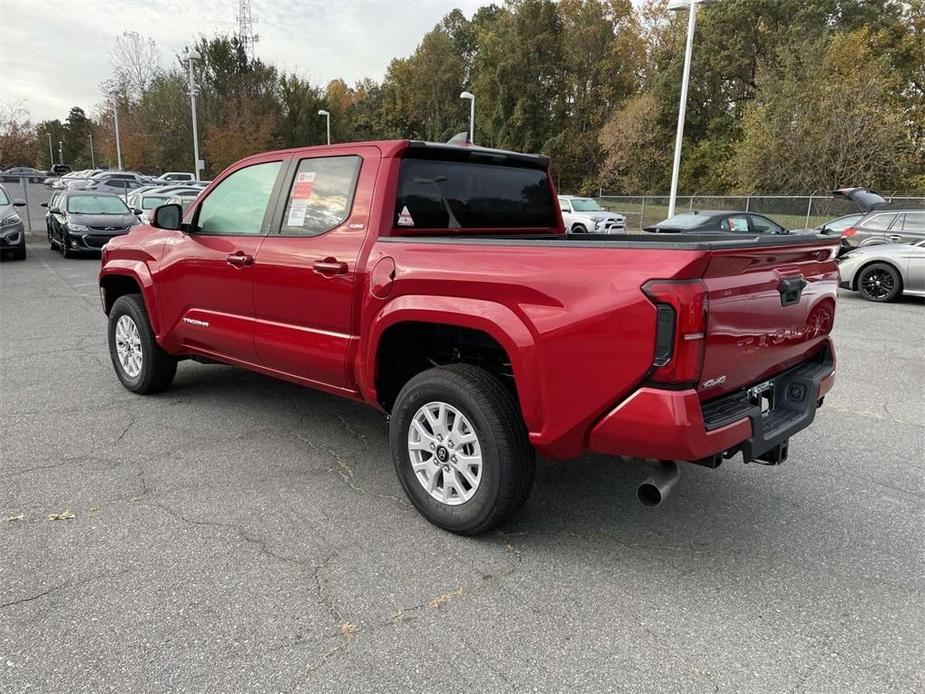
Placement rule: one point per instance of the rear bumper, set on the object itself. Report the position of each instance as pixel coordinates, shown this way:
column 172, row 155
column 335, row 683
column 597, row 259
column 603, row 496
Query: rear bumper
column 675, row 425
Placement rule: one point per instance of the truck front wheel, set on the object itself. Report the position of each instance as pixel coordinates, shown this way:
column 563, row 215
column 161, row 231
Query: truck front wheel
column 140, row 363
column 460, row 449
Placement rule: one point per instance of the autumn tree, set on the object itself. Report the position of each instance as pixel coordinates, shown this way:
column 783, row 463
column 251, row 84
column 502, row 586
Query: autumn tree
column 16, row 136
column 818, row 122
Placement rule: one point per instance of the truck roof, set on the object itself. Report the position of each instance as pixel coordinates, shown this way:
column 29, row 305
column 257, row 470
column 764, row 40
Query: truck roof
column 423, row 149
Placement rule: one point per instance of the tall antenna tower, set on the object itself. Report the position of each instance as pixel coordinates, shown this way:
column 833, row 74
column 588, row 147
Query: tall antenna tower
column 246, row 23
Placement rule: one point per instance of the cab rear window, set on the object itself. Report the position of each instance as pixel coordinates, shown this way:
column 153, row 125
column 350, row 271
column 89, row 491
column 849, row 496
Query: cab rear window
column 438, row 194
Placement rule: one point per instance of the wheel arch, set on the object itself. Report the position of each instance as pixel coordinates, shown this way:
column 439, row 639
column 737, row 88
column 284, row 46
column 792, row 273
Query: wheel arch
column 486, row 322
column 857, row 275
column 126, row 277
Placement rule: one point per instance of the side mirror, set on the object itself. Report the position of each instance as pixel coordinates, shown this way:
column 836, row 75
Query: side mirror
column 54, row 210
column 167, row 217
column 135, row 210
column 44, row 204
column 18, row 202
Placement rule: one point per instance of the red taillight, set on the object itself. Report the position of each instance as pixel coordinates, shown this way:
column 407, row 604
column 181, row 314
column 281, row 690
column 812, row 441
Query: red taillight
column 849, row 231
column 681, row 324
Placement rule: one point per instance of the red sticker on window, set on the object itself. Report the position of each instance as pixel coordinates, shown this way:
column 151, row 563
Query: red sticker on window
column 302, row 190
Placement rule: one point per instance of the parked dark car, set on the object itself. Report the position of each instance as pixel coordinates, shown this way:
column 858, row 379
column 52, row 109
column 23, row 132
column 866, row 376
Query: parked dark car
column 59, row 169
column 17, row 173
column 82, row 221
column 12, row 230
column 719, row 222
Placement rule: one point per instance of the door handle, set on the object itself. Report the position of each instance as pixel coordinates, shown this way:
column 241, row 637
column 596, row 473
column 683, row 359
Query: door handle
column 895, row 237
column 330, row 267
column 239, row 259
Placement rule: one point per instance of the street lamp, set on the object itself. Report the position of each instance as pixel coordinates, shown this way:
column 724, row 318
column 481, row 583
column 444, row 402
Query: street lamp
column 191, row 56
column 51, row 155
column 677, row 5
column 471, row 97
column 60, row 152
column 327, row 116
column 92, row 157
column 115, row 115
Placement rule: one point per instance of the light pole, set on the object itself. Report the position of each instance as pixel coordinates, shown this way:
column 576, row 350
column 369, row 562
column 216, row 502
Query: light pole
column 677, row 5
column 51, row 155
column 327, row 116
column 60, row 152
column 191, row 56
column 115, row 115
column 471, row 97
column 92, row 157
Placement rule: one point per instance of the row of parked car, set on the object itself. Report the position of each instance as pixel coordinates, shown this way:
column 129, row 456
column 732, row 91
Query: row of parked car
column 882, row 251
column 81, row 220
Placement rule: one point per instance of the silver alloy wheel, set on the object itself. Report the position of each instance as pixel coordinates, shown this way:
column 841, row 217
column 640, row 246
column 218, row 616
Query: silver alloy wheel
column 128, row 346
column 445, row 453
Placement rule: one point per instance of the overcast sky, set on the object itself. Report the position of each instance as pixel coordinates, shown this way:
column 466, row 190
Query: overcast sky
column 54, row 53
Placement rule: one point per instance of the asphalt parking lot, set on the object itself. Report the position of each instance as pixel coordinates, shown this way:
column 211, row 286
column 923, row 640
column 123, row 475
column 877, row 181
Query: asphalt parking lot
column 242, row 534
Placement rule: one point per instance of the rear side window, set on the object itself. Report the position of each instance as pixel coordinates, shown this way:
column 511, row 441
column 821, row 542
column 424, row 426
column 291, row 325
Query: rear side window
column 879, row 221
column 321, row 195
column 735, row 224
column 915, row 221
column 436, row 194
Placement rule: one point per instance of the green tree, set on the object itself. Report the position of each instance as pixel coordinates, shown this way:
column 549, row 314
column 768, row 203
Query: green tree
column 518, row 75
column 819, row 122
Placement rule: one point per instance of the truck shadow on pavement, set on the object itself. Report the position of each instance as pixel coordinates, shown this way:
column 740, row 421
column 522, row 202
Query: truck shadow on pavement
column 592, row 497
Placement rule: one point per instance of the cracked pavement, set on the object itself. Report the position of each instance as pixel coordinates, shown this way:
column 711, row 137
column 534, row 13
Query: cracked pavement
column 237, row 533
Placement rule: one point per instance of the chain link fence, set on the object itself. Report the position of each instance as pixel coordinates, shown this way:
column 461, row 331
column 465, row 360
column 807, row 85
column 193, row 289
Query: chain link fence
column 790, row 211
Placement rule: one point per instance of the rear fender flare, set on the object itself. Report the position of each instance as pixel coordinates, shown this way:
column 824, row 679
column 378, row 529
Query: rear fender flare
column 494, row 319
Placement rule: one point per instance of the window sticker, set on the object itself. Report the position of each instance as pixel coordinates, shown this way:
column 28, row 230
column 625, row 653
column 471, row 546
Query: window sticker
column 404, row 219
column 302, row 190
column 297, row 210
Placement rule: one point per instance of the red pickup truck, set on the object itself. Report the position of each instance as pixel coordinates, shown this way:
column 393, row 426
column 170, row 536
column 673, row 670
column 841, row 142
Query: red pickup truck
column 437, row 283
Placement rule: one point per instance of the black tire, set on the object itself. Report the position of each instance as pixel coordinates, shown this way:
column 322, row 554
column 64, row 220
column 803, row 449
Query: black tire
column 157, row 367
column 51, row 239
column 65, row 251
column 579, row 229
column 508, row 459
column 19, row 253
column 879, row 282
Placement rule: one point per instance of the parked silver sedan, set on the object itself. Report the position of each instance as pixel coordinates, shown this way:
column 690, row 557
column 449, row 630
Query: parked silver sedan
column 883, row 272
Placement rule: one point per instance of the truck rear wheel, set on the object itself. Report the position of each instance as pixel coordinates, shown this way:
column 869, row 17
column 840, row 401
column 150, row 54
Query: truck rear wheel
column 140, row 363
column 460, row 449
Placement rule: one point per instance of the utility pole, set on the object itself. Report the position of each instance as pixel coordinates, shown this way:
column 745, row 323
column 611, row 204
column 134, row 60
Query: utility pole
column 471, row 97
column 691, row 6
column 115, row 114
column 60, row 152
column 51, row 154
column 327, row 115
column 92, row 157
column 191, row 56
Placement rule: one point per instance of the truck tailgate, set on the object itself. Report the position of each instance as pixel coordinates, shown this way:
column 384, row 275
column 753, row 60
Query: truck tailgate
column 769, row 309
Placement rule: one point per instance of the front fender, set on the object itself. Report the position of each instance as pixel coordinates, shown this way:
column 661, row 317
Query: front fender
column 494, row 319
column 138, row 271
